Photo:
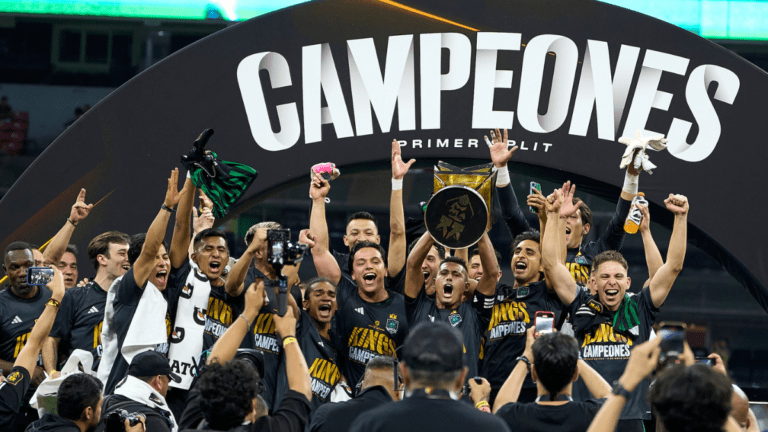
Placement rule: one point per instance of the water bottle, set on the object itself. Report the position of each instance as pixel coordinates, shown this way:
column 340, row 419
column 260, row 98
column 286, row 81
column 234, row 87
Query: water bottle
column 632, row 224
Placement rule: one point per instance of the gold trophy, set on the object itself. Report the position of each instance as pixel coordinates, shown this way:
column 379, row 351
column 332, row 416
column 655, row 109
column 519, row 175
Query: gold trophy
column 461, row 209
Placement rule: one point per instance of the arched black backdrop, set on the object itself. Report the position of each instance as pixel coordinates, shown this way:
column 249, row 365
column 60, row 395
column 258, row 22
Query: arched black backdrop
column 338, row 79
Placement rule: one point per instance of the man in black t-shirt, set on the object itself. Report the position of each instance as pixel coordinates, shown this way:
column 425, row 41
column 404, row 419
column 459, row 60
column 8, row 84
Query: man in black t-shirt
column 471, row 317
column 514, row 310
column 555, row 366
column 377, row 388
column 79, row 323
column 607, row 325
column 14, row 388
column 371, row 320
column 434, row 373
column 150, row 265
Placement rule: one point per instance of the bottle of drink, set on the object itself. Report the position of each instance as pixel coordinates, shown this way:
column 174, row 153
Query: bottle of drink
column 632, row 224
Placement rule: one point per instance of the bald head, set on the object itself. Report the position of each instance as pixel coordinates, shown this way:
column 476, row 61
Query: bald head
column 740, row 410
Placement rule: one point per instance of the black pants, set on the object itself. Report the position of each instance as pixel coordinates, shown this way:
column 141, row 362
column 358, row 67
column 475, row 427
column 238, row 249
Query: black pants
column 630, row 426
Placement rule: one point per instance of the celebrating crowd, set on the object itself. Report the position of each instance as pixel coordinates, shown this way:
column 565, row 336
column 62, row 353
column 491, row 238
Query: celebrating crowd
column 181, row 335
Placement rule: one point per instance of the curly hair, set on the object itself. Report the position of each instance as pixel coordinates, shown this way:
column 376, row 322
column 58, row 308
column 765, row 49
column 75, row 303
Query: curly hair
column 609, row 256
column 692, row 398
column 555, row 356
column 227, row 392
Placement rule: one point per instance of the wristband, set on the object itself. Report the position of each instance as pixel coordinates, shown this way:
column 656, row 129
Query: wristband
column 480, row 405
column 524, row 359
column 53, row 371
column 246, row 320
column 631, row 183
column 289, row 340
column 619, row 390
column 168, row 209
column 397, row 184
column 70, row 221
column 502, row 178
column 53, row 302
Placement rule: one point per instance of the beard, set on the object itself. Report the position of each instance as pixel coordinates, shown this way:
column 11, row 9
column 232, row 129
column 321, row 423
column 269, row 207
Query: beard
column 23, row 290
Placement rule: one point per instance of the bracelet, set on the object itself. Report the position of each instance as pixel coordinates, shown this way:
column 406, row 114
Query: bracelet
column 397, row 184
column 53, row 371
column 502, row 178
column 481, row 404
column 524, row 359
column 246, row 320
column 70, row 221
column 289, row 340
column 168, row 209
column 53, row 302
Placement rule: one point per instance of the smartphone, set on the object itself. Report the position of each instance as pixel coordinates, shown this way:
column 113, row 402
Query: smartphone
column 705, row 361
column 536, row 186
column 39, row 275
column 325, row 170
column 672, row 336
column 543, row 322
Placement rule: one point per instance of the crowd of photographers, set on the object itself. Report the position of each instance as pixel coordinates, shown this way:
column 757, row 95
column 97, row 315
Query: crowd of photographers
column 182, row 336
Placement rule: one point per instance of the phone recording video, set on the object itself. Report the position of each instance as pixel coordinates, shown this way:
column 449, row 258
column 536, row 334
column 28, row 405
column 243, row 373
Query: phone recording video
column 705, row 361
column 672, row 341
column 39, row 275
column 544, row 322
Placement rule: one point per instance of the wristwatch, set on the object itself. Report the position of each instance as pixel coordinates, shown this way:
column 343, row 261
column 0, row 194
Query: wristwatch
column 525, row 359
column 619, row 390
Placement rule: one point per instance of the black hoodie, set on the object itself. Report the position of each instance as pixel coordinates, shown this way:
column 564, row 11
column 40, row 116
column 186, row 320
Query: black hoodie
column 50, row 422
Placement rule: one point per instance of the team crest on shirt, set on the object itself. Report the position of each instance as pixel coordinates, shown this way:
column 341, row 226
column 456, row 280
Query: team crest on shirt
column 14, row 378
column 523, row 291
column 596, row 306
column 579, row 259
column 454, row 318
column 392, row 324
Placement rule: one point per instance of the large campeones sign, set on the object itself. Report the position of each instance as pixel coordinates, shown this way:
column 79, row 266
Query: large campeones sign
column 339, row 79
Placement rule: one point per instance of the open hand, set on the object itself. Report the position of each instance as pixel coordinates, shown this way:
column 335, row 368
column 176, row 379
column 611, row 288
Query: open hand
column 568, row 207
column 202, row 221
column 399, row 168
column 499, row 153
column 172, row 194
column 80, row 209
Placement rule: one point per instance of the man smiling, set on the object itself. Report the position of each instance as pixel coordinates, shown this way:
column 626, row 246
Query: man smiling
column 609, row 324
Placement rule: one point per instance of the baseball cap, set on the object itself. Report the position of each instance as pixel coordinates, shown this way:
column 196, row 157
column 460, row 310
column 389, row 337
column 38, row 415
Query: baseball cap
column 434, row 347
column 151, row 363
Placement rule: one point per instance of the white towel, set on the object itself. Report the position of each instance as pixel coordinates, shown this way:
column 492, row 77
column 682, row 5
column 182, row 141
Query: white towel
column 139, row 391
column 190, row 317
column 44, row 398
column 146, row 330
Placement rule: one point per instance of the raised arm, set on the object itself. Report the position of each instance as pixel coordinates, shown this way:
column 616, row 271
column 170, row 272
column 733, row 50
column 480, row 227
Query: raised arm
column 555, row 272
column 595, row 383
column 318, row 226
column 325, row 264
column 414, row 277
column 510, row 391
column 537, row 200
column 27, row 358
column 181, row 229
column 653, row 258
column 226, row 347
column 664, row 278
column 146, row 261
column 397, row 243
column 510, row 210
column 59, row 243
column 295, row 365
column 202, row 221
column 642, row 361
column 487, row 283
column 234, row 283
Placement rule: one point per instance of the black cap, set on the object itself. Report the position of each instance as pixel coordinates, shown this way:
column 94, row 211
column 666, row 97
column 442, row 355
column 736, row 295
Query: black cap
column 434, row 347
column 151, row 363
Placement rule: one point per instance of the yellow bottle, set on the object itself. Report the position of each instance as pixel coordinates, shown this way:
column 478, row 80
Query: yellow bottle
column 632, row 223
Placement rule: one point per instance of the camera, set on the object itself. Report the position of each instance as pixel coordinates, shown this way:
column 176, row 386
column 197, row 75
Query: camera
column 281, row 252
column 116, row 420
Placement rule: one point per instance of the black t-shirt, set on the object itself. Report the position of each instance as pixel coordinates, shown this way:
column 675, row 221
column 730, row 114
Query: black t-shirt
column 422, row 413
column 338, row 417
column 223, row 309
column 126, row 301
column 342, row 259
column 321, row 356
column 608, row 352
column 12, row 392
column 78, row 323
column 513, row 313
column 471, row 318
column 532, row 417
column 17, row 317
column 579, row 260
column 368, row 329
